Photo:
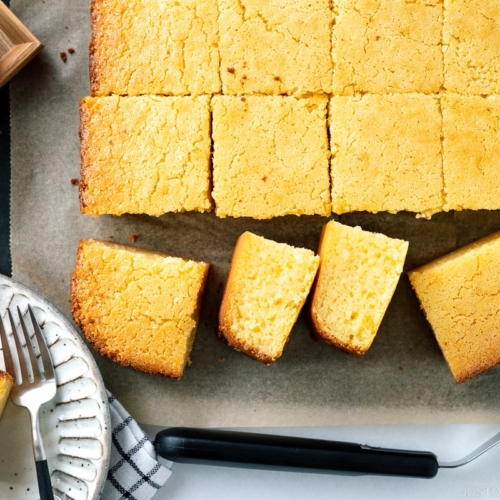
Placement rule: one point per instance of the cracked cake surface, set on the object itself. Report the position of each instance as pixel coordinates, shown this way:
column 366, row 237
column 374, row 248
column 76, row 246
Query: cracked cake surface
column 144, row 154
column 270, row 156
column 275, row 47
column 154, row 47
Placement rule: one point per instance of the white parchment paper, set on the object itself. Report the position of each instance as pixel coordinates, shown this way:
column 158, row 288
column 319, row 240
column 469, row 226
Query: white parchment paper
column 402, row 379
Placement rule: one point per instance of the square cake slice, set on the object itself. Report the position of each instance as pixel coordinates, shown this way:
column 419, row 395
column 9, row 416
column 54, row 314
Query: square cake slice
column 471, row 151
column 267, row 286
column 459, row 294
column 386, row 153
column 275, row 46
column 162, row 47
column 387, row 46
column 357, row 276
column 471, row 39
column 270, row 156
column 137, row 307
column 144, row 154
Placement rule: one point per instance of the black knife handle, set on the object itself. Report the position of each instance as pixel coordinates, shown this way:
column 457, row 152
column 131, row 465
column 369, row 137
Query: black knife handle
column 205, row 446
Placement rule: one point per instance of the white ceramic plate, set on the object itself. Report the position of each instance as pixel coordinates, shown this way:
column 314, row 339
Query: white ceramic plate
column 75, row 424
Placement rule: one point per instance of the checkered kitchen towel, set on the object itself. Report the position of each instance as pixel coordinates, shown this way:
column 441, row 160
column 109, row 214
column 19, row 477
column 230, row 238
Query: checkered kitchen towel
column 134, row 471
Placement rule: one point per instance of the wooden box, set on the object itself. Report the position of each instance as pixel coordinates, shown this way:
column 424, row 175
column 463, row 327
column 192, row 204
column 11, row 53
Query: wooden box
column 17, row 44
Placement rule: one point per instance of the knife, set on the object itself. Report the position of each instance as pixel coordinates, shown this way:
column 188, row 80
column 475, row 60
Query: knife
column 271, row 452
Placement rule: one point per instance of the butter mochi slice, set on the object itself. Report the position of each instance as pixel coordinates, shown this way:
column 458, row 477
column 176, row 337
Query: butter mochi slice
column 267, row 286
column 144, row 155
column 6, row 383
column 155, row 47
column 357, row 277
column 137, row 307
column 459, row 294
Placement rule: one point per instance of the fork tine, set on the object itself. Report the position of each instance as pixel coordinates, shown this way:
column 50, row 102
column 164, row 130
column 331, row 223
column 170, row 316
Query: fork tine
column 22, row 360
column 34, row 365
column 7, row 356
column 48, row 366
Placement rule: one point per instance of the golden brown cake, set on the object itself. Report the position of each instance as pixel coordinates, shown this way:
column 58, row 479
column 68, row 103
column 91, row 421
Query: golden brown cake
column 137, row 307
column 387, row 46
column 270, row 156
column 459, row 295
column 6, row 383
column 471, row 41
column 144, row 154
column 275, row 47
column 471, row 150
column 357, row 276
column 267, row 285
column 154, row 47
column 386, row 153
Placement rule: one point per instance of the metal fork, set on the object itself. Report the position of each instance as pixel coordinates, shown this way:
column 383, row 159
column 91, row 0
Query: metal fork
column 32, row 387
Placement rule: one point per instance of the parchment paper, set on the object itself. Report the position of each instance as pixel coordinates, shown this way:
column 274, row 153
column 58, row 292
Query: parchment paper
column 402, row 379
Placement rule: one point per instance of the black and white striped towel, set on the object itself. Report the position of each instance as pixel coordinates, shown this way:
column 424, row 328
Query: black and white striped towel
column 134, row 471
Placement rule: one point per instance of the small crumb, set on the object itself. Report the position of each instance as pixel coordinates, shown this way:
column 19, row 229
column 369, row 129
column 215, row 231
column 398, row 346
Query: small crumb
column 71, row 50
column 277, row 79
column 243, row 99
column 65, row 27
column 222, row 358
column 231, row 70
column 75, row 181
column 63, row 56
column 111, row 237
column 400, row 368
column 244, row 77
column 132, row 237
column 264, row 178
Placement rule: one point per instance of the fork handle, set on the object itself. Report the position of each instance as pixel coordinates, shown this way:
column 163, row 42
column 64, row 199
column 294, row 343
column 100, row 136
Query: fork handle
column 44, row 484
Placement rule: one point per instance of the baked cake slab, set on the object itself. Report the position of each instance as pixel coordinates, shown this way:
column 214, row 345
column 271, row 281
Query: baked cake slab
column 154, row 47
column 387, row 46
column 471, row 39
column 144, row 154
column 459, row 294
column 275, row 47
column 137, row 307
column 471, row 152
column 357, row 277
column 266, row 287
column 386, row 153
column 270, row 156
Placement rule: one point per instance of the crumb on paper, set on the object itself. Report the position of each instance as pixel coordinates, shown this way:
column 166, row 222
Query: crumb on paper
column 71, row 50
column 132, row 237
column 111, row 237
column 75, row 181
column 63, row 56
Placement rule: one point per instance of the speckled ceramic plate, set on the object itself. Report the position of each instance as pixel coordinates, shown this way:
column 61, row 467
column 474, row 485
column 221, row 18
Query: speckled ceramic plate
column 74, row 425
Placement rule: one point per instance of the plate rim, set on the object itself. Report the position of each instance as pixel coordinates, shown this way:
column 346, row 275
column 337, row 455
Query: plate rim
column 103, row 472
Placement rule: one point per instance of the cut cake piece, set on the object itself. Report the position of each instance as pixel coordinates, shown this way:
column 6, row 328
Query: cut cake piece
column 471, row 148
column 357, row 277
column 387, row 46
column 267, row 285
column 471, row 41
column 386, row 153
column 137, row 307
column 162, row 47
column 144, row 154
column 276, row 46
column 6, row 383
column 270, row 156
column 459, row 296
